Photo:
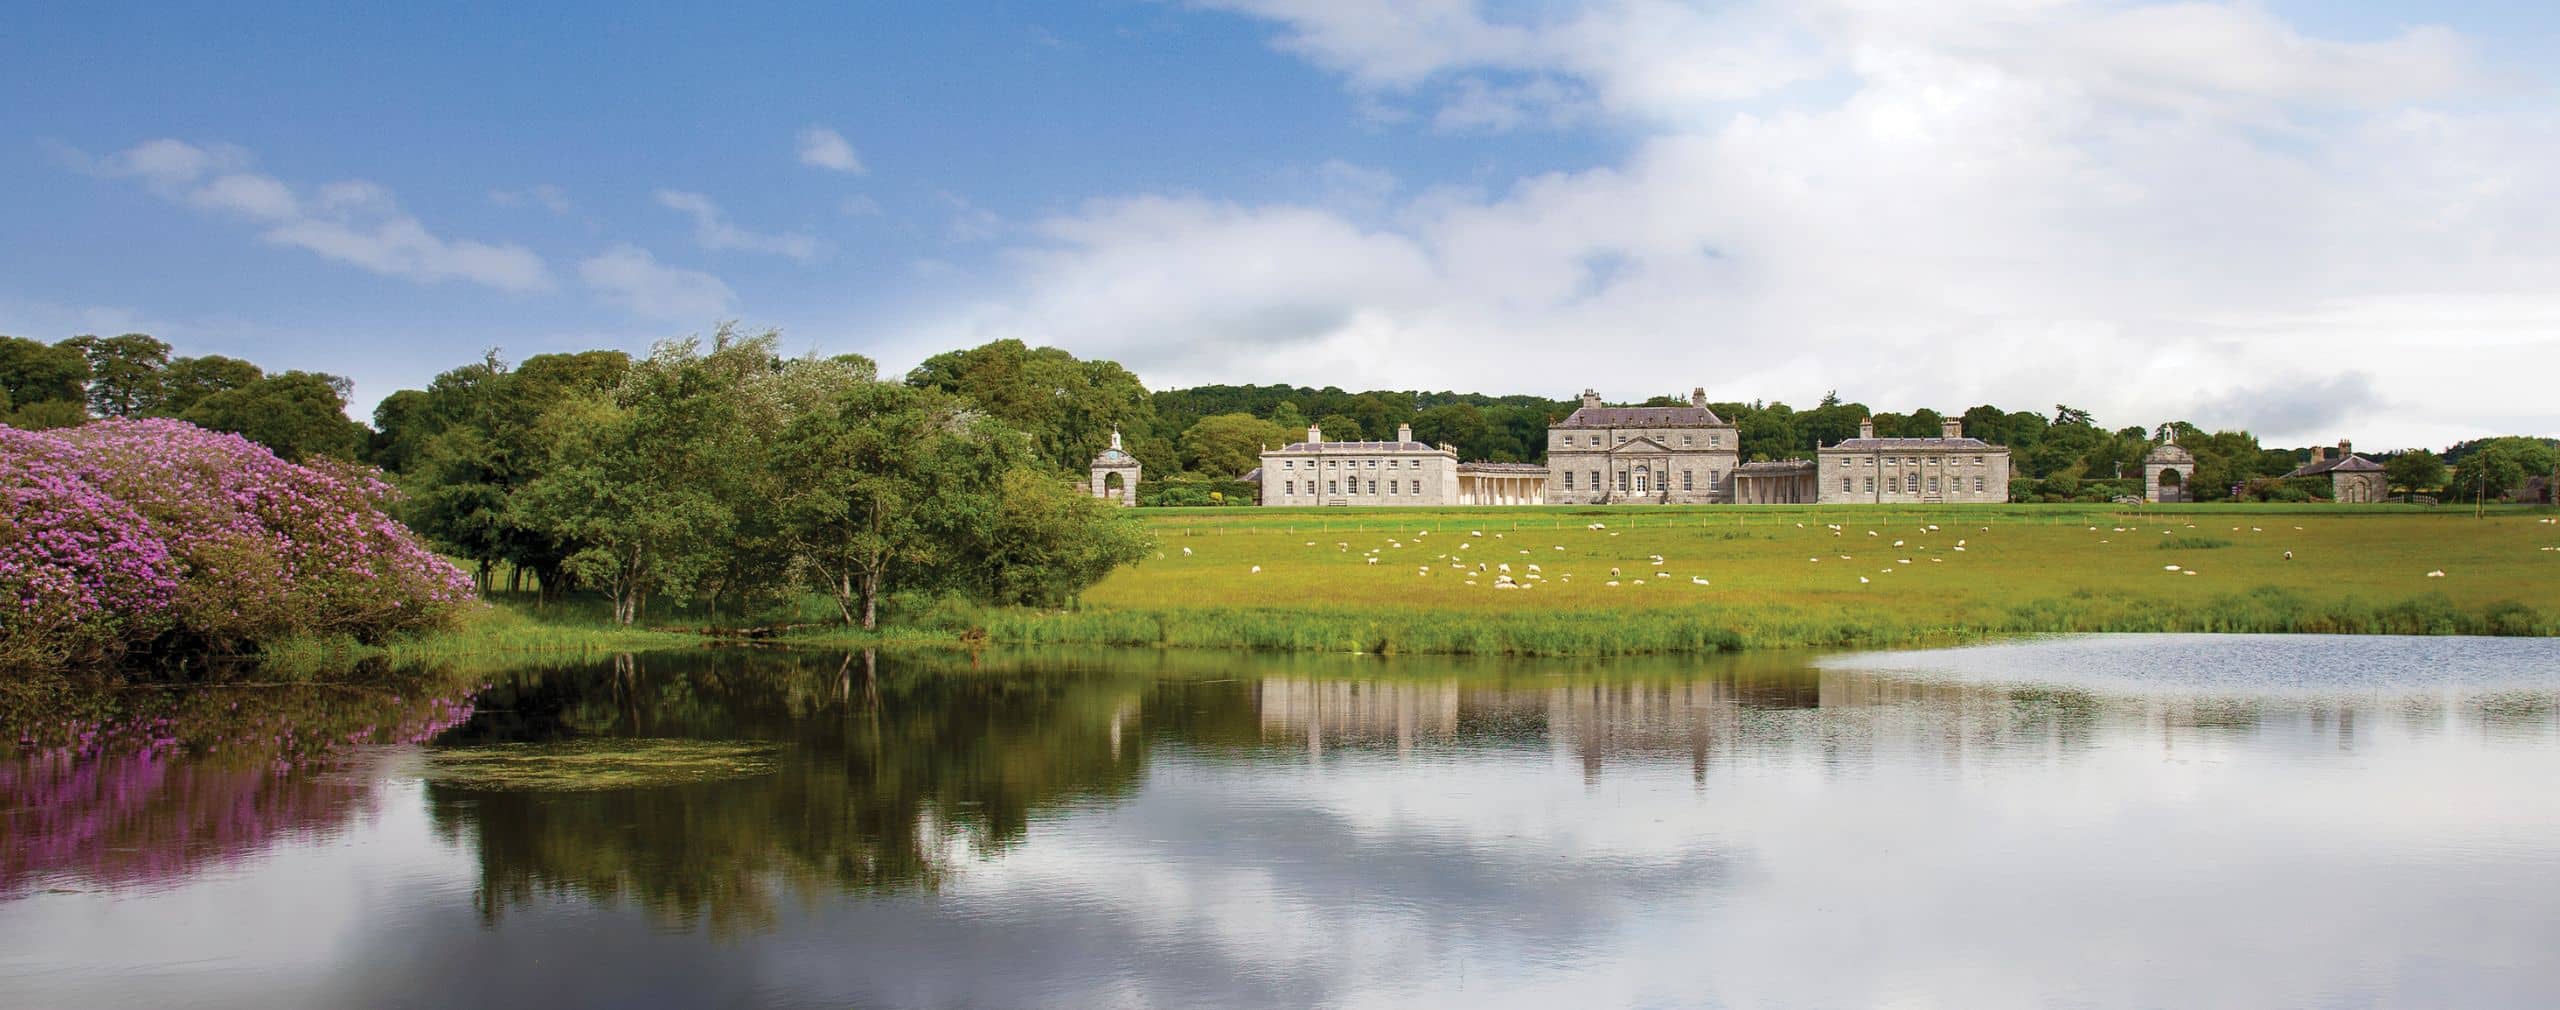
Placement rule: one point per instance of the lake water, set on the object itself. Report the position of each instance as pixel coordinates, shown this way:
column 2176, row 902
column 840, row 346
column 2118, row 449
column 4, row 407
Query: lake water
column 2120, row 821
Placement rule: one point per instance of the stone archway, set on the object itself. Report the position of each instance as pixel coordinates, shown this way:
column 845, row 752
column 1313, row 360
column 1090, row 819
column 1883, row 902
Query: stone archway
column 1115, row 474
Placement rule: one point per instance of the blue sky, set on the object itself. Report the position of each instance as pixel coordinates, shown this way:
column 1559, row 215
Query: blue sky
column 2315, row 220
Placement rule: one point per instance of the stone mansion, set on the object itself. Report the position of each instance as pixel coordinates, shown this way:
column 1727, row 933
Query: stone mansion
column 1629, row 455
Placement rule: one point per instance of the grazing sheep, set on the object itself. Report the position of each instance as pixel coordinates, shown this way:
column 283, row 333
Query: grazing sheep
column 1257, row 570
column 1612, row 583
column 1862, row 580
column 1959, row 547
column 1696, row 581
column 1186, row 552
column 1897, row 543
column 1505, row 566
column 1504, row 585
column 1475, row 533
column 1533, row 566
column 2437, row 574
column 2168, row 568
column 2288, row 555
column 1373, row 561
column 1662, row 575
column 1613, row 573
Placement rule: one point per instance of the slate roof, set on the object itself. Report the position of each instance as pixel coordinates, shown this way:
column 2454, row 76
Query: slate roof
column 1503, row 468
column 2350, row 463
column 1253, row 476
column 1777, row 466
column 1356, row 447
column 1641, row 417
column 1963, row 444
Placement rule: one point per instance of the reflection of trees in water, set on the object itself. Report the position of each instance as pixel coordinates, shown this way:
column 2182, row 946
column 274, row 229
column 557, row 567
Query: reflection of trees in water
column 121, row 787
column 892, row 778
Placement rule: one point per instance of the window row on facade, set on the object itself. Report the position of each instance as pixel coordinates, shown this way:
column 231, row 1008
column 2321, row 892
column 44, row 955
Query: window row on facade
column 1334, row 487
column 1910, row 484
column 1641, row 479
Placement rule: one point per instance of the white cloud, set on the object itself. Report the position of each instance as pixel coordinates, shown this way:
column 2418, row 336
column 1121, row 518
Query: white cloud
column 970, row 222
column 2011, row 201
column 711, row 228
column 353, row 222
column 632, row 279
column 544, row 195
column 821, row 147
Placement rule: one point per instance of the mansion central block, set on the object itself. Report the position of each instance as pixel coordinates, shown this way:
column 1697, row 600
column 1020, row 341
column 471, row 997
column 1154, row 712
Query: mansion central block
column 1603, row 455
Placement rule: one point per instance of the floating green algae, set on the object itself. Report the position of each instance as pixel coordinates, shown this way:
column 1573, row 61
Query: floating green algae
column 587, row 765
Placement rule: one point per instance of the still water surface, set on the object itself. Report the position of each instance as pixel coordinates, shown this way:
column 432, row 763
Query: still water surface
column 2152, row 821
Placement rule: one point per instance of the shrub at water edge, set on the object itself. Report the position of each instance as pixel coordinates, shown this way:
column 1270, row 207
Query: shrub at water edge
column 128, row 537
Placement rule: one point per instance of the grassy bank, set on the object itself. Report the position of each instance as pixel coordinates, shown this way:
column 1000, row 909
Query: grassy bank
column 1408, row 581
column 512, row 626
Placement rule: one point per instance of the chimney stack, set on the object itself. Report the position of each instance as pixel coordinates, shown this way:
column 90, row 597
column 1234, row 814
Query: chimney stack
column 1952, row 427
column 1698, row 396
column 1315, row 434
column 1404, row 433
column 1590, row 398
column 2319, row 452
column 2346, row 448
column 1866, row 427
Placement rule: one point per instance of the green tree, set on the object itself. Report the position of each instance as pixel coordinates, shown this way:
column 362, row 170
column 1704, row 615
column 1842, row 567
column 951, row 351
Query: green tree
column 33, row 373
column 188, row 380
column 297, row 414
column 2417, row 471
column 124, row 373
column 1341, row 428
column 1457, row 424
column 1229, row 445
column 2490, row 468
column 662, row 487
column 1068, row 407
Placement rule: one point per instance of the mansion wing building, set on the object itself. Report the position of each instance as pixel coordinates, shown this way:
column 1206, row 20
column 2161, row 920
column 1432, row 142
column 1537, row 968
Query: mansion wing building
column 1603, row 455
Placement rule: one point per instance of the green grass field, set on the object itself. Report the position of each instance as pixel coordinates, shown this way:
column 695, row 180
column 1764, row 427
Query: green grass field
column 1425, row 581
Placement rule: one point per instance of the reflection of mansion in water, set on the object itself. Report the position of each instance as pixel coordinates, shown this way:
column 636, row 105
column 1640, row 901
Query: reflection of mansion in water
column 1600, row 455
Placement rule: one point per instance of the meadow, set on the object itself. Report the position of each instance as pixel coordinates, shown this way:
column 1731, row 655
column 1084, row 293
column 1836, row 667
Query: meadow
column 1634, row 581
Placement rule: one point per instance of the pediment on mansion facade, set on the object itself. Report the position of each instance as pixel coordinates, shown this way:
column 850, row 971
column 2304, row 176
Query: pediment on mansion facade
column 1644, row 446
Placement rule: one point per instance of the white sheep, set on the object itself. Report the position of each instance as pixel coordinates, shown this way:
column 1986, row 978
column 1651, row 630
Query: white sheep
column 1697, row 581
column 1257, row 570
column 1373, row 561
column 1186, row 552
column 2437, row 574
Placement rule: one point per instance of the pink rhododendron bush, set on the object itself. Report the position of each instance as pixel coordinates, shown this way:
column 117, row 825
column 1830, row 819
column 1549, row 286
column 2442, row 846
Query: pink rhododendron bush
column 120, row 538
